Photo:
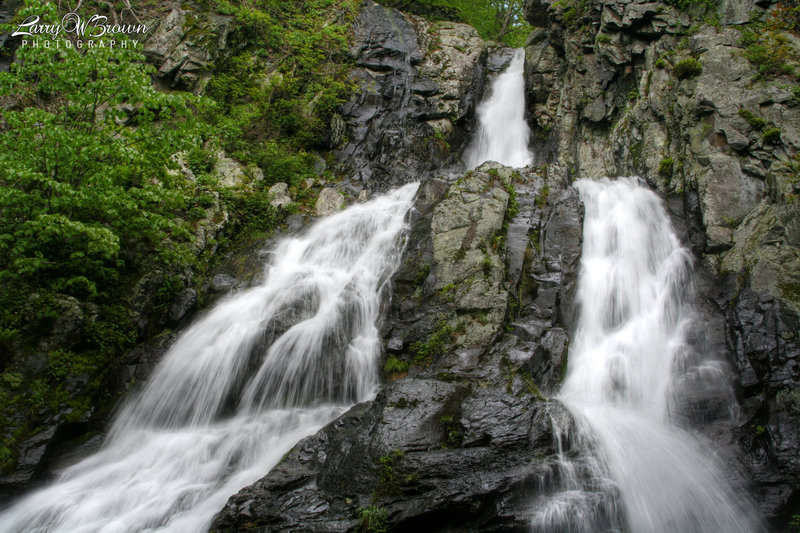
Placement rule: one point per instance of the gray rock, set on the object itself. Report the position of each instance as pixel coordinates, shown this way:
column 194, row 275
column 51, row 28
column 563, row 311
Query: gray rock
column 230, row 173
column 330, row 201
column 184, row 301
column 280, row 195
column 412, row 73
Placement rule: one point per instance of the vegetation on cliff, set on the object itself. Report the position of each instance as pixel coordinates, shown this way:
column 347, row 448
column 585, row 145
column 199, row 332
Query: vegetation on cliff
column 497, row 20
column 109, row 183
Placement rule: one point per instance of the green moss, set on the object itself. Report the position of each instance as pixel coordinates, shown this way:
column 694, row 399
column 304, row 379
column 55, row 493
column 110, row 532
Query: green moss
column 790, row 291
column 541, row 199
column 453, row 432
column 422, row 275
column 425, row 352
column 772, row 136
column 602, row 38
column 770, row 51
column 756, row 122
column 666, row 167
column 687, row 68
column 387, row 480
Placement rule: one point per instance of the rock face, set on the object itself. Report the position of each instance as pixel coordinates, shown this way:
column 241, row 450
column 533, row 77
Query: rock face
column 479, row 315
column 183, row 45
column 610, row 93
column 420, row 82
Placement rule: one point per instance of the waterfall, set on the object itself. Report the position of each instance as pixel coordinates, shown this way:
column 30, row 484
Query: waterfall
column 503, row 133
column 262, row 370
column 627, row 365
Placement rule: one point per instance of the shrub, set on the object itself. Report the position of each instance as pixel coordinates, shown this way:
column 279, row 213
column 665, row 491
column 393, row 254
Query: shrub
column 687, row 68
column 395, row 366
column 373, row 519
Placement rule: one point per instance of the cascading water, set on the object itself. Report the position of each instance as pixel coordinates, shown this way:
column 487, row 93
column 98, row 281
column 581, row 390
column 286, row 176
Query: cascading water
column 262, row 370
column 503, row 132
column 626, row 366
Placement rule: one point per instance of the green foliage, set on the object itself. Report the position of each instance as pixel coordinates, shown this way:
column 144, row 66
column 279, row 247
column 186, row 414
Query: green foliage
column 283, row 83
column 79, row 187
column 772, row 136
column 573, row 11
column 373, row 519
column 756, row 122
column 794, row 523
column 602, row 38
column 424, row 352
column 666, row 167
column 496, row 20
column 387, row 480
column 11, row 379
column 395, row 365
column 770, row 50
column 689, row 4
column 453, row 432
column 661, row 63
column 687, row 68
column 541, row 199
column 422, row 275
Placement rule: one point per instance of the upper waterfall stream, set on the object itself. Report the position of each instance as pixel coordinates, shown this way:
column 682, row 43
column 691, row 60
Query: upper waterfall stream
column 503, row 133
column 628, row 366
column 263, row 369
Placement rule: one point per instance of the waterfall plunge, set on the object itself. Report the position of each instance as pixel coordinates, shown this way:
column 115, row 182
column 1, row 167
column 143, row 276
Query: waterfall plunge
column 629, row 350
column 262, row 370
column 502, row 131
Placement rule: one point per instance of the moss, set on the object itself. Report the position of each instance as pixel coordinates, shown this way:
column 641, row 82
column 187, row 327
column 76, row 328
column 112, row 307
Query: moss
column 453, row 432
column 387, row 480
column 666, row 167
column 687, row 68
column 425, row 352
column 772, row 136
column 790, row 291
column 602, row 38
column 541, row 199
column 422, row 275
column 756, row 122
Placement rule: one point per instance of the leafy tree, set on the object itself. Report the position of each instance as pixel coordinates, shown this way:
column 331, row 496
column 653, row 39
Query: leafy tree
column 85, row 147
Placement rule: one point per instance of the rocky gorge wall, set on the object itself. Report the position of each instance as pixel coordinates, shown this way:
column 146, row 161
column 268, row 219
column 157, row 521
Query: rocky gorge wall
column 609, row 95
column 470, row 363
column 462, row 434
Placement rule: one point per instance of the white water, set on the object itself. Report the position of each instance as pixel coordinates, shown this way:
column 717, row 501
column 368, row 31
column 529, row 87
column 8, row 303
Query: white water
column 503, row 133
column 262, row 370
column 629, row 351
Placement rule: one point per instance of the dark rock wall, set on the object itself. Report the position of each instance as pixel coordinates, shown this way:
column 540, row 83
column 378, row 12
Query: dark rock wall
column 418, row 83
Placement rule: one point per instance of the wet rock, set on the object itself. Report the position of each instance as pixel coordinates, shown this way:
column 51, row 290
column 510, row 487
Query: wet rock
column 466, row 439
column 183, row 303
column 420, row 82
column 605, row 100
